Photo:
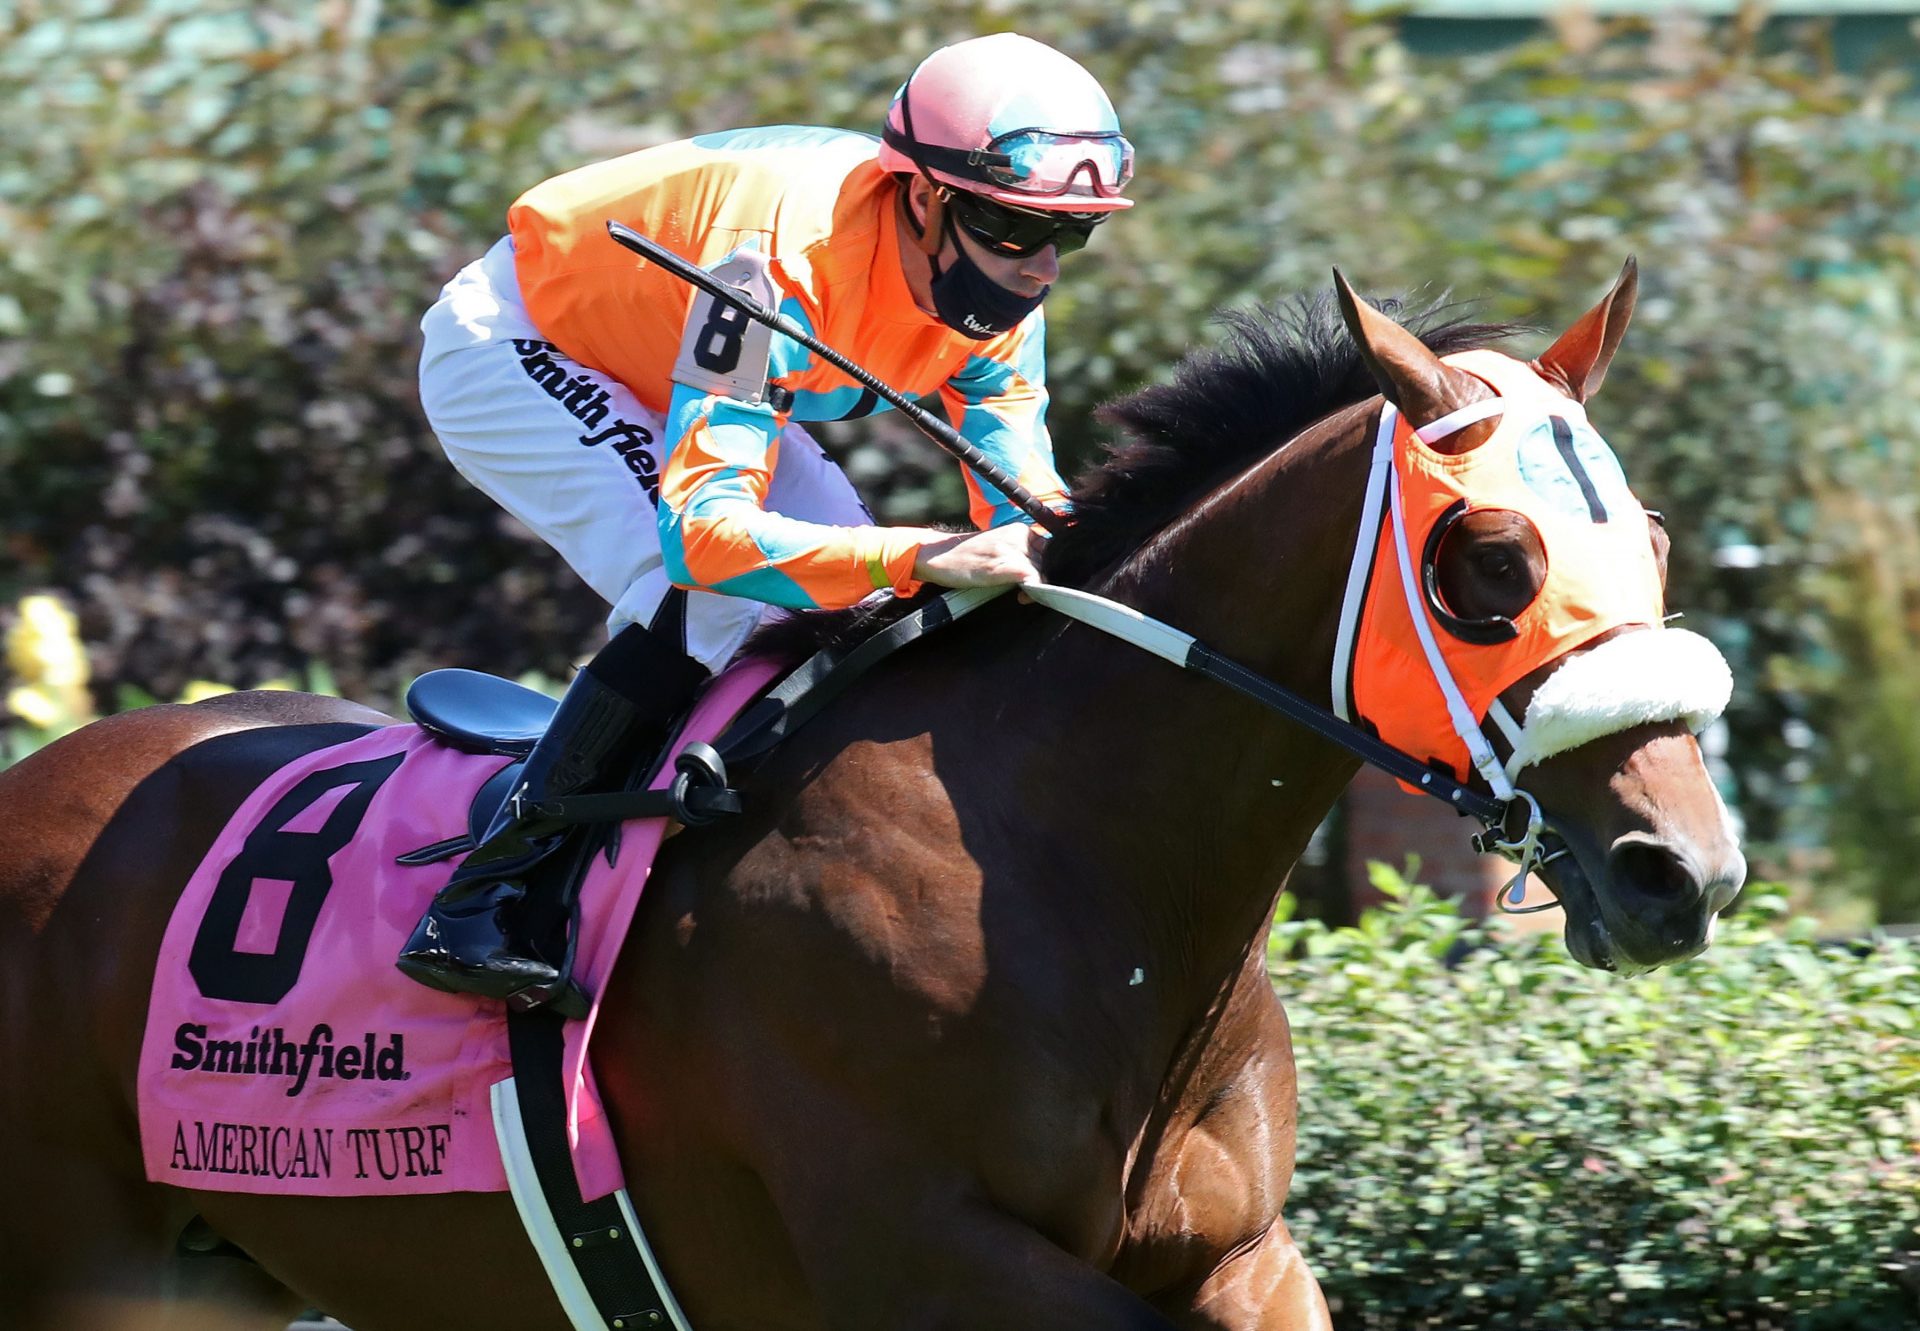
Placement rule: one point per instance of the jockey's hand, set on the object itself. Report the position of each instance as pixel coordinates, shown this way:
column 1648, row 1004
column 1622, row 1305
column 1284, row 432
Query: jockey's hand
column 982, row 558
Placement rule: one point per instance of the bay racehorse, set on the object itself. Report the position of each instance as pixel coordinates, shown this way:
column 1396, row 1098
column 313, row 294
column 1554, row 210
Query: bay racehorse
column 966, row 1022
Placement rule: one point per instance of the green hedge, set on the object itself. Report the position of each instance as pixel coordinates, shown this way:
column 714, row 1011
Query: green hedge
column 1506, row 1140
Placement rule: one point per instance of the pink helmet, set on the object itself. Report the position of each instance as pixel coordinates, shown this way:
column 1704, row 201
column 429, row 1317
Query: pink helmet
column 1012, row 119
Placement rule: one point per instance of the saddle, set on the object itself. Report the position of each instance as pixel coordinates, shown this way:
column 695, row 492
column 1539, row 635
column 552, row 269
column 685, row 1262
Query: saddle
column 485, row 714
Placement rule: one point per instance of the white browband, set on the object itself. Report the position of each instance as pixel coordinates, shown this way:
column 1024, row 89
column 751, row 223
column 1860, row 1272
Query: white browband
column 1459, row 419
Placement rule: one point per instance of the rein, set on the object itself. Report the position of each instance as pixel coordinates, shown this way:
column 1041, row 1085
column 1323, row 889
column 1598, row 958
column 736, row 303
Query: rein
column 1529, row 850
column 828, row 673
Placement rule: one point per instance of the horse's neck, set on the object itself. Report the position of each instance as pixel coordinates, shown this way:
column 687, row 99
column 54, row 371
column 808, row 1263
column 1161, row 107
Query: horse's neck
column 1183, row 804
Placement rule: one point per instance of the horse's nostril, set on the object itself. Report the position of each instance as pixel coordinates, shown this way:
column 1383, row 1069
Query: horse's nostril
column 1654, row 870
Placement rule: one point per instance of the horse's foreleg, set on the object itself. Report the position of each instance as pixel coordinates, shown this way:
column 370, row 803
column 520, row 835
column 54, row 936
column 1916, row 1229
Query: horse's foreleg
column 1265, row 1286
column 996, row 1271
column 970, row 1268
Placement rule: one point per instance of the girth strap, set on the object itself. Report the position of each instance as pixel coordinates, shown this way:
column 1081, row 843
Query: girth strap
column 600, row 1238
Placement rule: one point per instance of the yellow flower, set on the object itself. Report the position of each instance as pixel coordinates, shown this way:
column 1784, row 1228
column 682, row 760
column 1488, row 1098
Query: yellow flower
column 35, row 706
column 43, row 646
column 199, row 690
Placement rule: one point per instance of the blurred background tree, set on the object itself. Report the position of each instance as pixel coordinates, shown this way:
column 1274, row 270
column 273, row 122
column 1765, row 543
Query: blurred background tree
column 223, row 221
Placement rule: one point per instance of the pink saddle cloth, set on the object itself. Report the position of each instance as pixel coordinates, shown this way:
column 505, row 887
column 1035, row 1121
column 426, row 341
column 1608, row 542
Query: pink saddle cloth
column 284, row 1053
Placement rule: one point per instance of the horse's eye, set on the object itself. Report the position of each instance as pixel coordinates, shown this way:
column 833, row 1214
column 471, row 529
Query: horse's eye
column 1494, row 564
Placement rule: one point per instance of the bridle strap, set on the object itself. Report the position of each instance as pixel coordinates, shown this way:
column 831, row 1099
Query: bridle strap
column 1498, row 714
column 1373, row 511
column 1536, row 844
column 1458, row 419
column 1465, row 724
column 1381, row 475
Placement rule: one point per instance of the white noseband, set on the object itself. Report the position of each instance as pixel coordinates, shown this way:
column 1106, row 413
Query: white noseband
column 1631, row 679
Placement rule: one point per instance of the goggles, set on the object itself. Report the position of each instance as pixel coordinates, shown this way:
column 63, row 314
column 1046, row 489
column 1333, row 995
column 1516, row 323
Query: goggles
column 1048, row 164
column 1018, row 232
column 1042, row 162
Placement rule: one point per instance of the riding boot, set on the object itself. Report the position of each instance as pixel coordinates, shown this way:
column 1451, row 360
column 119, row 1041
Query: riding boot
column 474, row 938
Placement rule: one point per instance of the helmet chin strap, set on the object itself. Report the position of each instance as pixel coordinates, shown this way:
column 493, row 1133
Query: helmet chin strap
column 928, row 235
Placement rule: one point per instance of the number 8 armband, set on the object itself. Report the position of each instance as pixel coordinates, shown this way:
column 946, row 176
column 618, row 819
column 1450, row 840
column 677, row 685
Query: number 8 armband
column 722, row 351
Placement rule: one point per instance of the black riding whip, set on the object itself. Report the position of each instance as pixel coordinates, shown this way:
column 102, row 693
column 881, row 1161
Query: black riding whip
column 932, row 426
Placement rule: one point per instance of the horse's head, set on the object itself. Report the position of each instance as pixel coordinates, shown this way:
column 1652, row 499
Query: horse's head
column 1506, row 619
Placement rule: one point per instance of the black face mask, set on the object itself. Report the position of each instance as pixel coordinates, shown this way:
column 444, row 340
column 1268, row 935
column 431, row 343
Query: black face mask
column 970, row 302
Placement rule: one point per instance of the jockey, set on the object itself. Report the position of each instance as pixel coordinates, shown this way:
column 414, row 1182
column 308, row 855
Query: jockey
column 650, row 433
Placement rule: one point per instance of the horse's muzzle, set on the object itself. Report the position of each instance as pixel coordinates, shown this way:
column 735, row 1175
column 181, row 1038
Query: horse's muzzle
column 1653, row 902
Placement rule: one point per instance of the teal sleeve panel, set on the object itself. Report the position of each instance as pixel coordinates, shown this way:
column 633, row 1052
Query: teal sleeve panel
column 716, row 534
column 999, row 403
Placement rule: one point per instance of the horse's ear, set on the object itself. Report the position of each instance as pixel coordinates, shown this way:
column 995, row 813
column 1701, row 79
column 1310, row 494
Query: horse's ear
column 1578, row 361
column 1424, row 387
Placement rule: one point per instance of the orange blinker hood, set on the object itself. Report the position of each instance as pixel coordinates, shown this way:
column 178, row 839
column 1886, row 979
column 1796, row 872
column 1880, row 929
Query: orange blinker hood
column 1544, row 462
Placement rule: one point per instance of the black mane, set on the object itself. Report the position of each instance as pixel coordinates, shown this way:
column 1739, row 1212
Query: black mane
column 1280, row 368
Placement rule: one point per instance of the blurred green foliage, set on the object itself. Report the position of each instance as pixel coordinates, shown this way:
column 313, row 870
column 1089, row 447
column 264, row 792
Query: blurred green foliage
column 223, row 220
column 1492, row 1137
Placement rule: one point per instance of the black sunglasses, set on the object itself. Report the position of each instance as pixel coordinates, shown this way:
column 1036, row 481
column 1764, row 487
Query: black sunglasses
column 1018, row 232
